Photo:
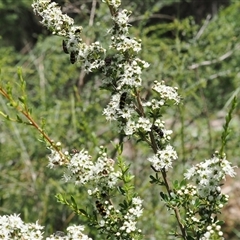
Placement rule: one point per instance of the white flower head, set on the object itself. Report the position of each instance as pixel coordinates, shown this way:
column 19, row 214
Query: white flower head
column 163, row 159
column 56, row 159
column 209, row 174
column 52, row 17
column 114, row 3
column 11, row 225
column 129, row 128
column 143, row 124
column 80, row 168
column 166, row 92
column 76, row 232
column 111, row 111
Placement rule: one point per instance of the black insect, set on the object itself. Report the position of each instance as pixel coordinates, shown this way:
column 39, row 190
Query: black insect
column 77, row 31
column 101, row 209
column 64, row 46
column 72, row 57
column 158, row 131
column 74, row 151
column 122, row 100
column 108, row 61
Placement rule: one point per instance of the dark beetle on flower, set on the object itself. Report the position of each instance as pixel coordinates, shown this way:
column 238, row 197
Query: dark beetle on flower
column 122, row 100
column 64, row 46
column 108, row 61
column 72, row 57
column 158, row 131
column 101, row 209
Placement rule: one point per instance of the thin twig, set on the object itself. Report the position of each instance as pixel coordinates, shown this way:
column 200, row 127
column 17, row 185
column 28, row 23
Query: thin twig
column 204, row 26
column 221, row 58
column 92, row 14
column 159, row 16
column 25, row 112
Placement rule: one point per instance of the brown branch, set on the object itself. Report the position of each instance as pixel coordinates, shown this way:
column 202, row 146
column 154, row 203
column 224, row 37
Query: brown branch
column 25, row 112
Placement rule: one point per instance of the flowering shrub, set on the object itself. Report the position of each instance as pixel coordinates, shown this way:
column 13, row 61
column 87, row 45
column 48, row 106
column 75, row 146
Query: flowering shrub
column 195, row 204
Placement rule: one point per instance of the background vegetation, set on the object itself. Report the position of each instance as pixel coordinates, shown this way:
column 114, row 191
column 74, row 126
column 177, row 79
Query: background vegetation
column 193, row 45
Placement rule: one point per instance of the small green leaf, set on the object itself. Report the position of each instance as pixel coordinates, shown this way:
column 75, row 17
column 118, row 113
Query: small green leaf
column 163, row 196
column 83, row 212
column 60, row 198
column 121, row 190
column 190, row 238
column 176, row 184
column 19, row 72
column 183, row 183
column 74, row 204
column 21, row 99
column 153, row 179
column 19, row 119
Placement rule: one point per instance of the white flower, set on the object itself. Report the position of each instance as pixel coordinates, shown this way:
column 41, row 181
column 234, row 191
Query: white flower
column 80, row 168
column 111, row 111
column 163, row 158
column 143, row 124
column 123, row 43
column 52, row 17
column 154, row 103
column 166, row 92
column 55, row 159
column 129, row 128
column 114, row 3
column 12, row 224
column 132, row 72
column 209, row 174
column 75, row 232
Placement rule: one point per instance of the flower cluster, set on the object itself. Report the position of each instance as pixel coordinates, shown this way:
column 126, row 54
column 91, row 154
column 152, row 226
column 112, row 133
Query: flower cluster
column 73, row 232
column 82, row 170
column 186, row 191
column 12, row 227
column 166, row 92
column 114, row 3
column 86, row 54
column 128, row 77
column 163, row 159
column 56, row 157
column 209, row 174
column 52, row 17
column 123, row 221
column 130, row 218
column 213, row 232
column 62, row 25
column 136, row 116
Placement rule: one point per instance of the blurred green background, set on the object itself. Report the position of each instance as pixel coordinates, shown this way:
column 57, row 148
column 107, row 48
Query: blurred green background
column 193, row 45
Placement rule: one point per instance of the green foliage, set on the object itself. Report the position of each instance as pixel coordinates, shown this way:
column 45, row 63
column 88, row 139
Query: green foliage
column 13, row 15
column 226, row 127
column 203, row 61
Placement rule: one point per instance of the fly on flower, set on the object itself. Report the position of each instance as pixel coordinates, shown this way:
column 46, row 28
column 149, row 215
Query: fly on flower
column 108, row 61
column 101, row 209
column 122, row 100
column 72, row 57
column 64, row 46
column 78, row 31
column 74, row 151
column 158, row 131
